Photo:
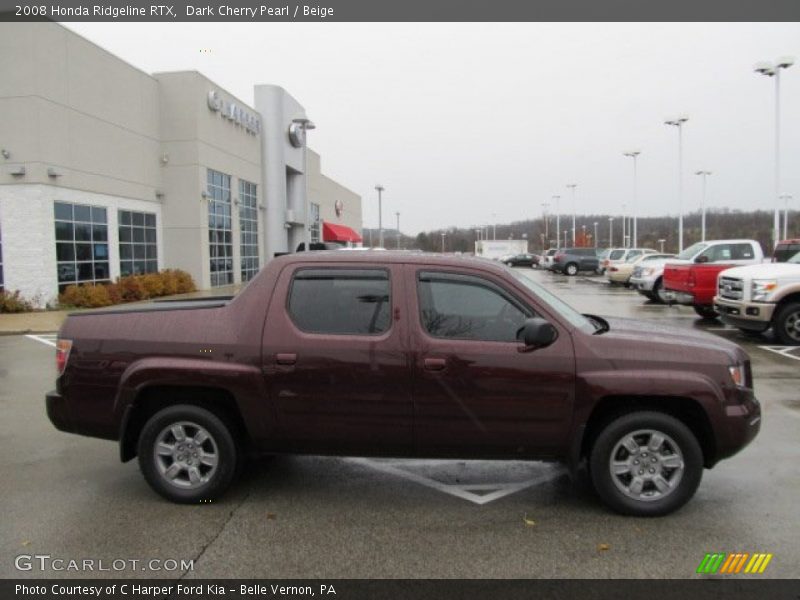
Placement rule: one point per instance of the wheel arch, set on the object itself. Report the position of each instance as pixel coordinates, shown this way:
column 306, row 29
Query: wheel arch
column 151, row 399
column 687, row 410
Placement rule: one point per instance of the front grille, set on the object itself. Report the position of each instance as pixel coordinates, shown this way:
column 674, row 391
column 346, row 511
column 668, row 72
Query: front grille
column 731, row 288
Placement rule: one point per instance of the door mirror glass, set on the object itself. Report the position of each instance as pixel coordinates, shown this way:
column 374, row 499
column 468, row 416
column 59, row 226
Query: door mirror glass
column 703, row 258
column 537, row 333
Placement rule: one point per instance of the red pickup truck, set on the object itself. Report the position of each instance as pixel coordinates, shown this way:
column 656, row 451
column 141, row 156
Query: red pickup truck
column 691, row 278
column 403, row 355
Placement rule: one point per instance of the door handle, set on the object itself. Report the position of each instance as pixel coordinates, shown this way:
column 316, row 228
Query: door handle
column 286, row 358
column 435, row 364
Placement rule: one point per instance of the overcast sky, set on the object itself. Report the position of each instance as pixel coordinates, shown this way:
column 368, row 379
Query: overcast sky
column 460, row 121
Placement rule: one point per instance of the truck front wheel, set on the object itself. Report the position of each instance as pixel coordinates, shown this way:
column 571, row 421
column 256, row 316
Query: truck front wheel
column 571, row 269
column 646, row 464
column 707, row 312
column 786, row 324
column 187, row 454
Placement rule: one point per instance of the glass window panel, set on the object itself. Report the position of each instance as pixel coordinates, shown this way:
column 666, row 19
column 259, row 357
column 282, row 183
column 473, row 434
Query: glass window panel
column 85, row 272
column 83, row 251
column 99, row 215
column 139, row 267
column 101, row 270
column 138, row 252
column 100, row 233
column 83, row 232
column 100, row 251
column 83, row 213
column 64, row 231
column 152, row 266
column 65, row 251
column 138, row 219
column 124, row 217
column 63, row 211
column 150, row 236
column 125, row 268
column 138, row 235
column 66, row 272
column 125, row 234
column 150, row 219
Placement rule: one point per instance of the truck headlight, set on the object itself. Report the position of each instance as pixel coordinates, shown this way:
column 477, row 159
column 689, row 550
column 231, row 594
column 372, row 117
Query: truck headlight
column 762, row 288
column 739, row 375
column 648, row 272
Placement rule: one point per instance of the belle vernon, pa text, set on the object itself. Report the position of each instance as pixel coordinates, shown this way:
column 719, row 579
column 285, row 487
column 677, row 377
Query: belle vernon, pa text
column 188, row 591
column 163, row 10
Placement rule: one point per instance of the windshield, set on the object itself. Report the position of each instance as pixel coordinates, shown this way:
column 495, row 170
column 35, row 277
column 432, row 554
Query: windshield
column 556, row 303
column 691, row 251
column 795, row 260
column 616, row 254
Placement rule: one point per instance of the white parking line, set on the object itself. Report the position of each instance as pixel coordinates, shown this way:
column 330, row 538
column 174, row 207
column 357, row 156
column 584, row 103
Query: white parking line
column 785, row 351
column 46, row 338
column 463, row 491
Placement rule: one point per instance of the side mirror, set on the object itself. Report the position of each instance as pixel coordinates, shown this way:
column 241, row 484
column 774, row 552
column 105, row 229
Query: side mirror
column 701, row 259
column 536, row 333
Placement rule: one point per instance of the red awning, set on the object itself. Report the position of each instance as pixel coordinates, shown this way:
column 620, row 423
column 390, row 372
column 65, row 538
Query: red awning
column 338, row 233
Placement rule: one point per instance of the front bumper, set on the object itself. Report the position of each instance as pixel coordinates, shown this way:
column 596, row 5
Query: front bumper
column 742, row 424
column 754, row 316
column 57, row 411
column 642, row 285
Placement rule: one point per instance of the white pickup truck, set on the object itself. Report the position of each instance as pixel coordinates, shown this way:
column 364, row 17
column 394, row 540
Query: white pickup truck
column 758, row 297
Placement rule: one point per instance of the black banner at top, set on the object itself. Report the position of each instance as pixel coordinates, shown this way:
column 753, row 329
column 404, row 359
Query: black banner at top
column 400, row 10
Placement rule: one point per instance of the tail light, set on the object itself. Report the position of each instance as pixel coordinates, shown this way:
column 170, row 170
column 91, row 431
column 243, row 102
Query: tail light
column 63, row 348
column 613, row 269
column 559, row 257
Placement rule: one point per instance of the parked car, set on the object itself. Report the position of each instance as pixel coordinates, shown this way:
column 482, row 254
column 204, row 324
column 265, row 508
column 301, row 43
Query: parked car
column 622, row 272
column 785, row 250
column 618, row 256
column 396, row 354
column 570, row 261
column 647, row 278
column 691, row 279
column 547, row 258
column 522, row 260
column 758, row 297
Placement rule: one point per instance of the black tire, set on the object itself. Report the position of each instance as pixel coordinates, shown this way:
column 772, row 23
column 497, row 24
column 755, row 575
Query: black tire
column 571, row 269
column 786, row 324
column 610, row 487
column 655, row 296
column 222, row 446
column 705, row 311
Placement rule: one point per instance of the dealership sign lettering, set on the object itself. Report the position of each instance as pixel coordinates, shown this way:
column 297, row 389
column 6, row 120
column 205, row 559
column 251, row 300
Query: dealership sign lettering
column 234, row 113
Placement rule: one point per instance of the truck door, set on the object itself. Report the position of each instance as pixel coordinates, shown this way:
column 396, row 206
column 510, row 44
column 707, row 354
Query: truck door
column 475, row 393
column 335, row 358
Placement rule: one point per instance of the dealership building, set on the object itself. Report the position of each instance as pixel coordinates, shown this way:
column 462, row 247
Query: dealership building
column 106, row 171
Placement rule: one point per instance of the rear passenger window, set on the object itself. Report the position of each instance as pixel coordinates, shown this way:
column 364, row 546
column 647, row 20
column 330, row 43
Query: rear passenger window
column 468, row 308
column 742, row 252
column 341, row 301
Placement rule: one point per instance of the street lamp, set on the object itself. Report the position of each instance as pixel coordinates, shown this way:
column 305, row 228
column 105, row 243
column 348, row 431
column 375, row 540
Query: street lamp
column 380, row 189
column 572, row 186
column 770, row 70
column 583, row 230
column 566, row 243
column 661, row 245
column 678, row 122
column 634, row 154
column 704, row 175
column 306, row 125
column 595, row 234
column 624, row 226
column 610, row 232
column 443, row 234
column 397, row 214
column 786, row 198
column 545, row 206
column 558, row 217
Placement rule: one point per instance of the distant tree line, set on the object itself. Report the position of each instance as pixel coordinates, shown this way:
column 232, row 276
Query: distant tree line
column 720, row 224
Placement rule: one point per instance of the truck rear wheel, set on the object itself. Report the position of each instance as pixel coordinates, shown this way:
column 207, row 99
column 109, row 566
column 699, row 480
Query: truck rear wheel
column 707, row 312
column 187, row 454
column 571, row 269
column 646, row 464
column 786, row 324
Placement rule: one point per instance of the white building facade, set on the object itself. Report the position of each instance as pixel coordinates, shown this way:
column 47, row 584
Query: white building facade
column 106, row 171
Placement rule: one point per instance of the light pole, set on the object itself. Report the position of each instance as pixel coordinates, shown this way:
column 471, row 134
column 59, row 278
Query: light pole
column 595, row 234
column 380, row 189
column 624, row 226
column 771, row 70
column 443, row 234
column 545, row 206
column 583, row 230
column 678, row 122
column 558, row 218
column 661, row 245
column 494, row 226
column 305, row 126
column 397, row 214
column 610, row 232
column 704, row 175
column 572, row 186
column 634, row 154
column 786, row 198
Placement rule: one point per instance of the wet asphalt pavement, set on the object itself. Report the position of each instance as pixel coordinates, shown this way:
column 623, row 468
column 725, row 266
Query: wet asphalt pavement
column 69, row 497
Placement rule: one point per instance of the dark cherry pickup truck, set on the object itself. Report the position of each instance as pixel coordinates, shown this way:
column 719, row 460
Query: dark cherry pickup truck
column 398, row 354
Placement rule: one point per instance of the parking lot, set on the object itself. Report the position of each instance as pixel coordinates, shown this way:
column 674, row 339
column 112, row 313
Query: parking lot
column 69, row 497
